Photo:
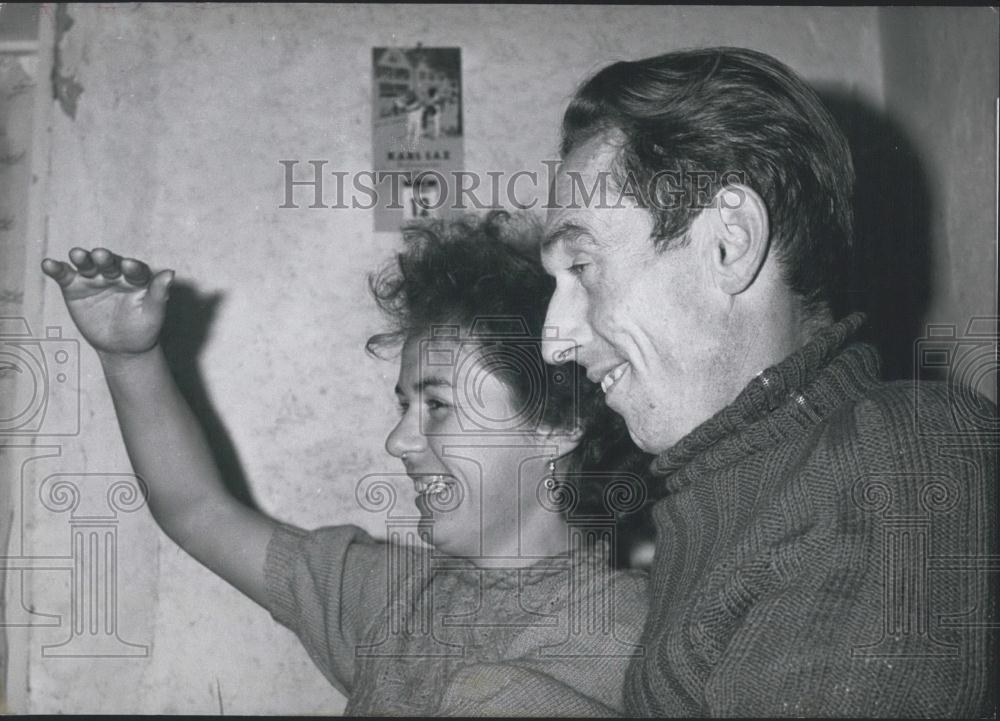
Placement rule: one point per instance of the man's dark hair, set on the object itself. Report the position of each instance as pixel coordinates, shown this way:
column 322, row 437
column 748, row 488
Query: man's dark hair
column 722, row 114
column 484, row 276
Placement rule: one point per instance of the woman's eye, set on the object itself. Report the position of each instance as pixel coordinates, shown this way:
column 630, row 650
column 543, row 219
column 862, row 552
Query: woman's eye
column 435, row 405
column 402, row 408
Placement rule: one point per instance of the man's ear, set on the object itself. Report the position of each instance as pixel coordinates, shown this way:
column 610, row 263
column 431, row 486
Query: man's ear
column 739, row 232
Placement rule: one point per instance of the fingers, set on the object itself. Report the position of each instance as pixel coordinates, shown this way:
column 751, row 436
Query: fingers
column 83, row 262
column 60, row 272
column 98, row 262
column 107, row 263
column 135, row 271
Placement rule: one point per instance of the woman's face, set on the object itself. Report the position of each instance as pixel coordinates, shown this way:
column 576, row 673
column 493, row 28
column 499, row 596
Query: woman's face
column 475, row 454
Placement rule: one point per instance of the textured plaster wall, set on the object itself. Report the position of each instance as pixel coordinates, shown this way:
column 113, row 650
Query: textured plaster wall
column 166, row 146
column 941, row 69
column 17, row 77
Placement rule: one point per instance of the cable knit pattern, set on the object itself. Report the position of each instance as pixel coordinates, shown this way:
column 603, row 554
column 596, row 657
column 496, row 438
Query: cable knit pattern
column 401, row 633
column 818, row 546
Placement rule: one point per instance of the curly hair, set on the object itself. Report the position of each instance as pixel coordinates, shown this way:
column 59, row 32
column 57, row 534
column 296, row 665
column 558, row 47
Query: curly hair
column 484, row 275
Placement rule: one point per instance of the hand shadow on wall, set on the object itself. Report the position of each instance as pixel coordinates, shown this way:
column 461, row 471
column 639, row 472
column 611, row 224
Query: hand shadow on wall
column 185, row 331
column 889, row 275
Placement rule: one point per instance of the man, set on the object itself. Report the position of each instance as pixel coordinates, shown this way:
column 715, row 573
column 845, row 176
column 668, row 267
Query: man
column 819, row 531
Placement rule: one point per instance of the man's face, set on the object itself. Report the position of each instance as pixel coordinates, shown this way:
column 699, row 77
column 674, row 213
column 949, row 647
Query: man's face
column 641, row 319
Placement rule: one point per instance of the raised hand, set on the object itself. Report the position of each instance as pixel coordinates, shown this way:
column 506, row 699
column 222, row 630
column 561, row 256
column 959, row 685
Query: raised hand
column 117, row 303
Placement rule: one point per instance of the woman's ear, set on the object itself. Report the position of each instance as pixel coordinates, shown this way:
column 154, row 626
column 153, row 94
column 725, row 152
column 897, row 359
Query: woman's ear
column 566, row 440
column 739, row 235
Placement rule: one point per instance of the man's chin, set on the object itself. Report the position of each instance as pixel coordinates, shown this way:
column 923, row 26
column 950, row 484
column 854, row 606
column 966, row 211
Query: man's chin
column 643, row 429
column 646, row 445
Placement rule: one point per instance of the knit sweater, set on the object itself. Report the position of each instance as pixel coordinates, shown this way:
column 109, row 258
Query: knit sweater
column 403, row 631
column 823, row 548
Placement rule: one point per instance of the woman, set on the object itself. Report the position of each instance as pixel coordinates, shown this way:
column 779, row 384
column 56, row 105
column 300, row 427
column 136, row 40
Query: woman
column 512, row 607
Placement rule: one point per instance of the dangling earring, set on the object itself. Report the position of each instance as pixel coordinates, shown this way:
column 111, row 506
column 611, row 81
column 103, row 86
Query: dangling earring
column 550, row 480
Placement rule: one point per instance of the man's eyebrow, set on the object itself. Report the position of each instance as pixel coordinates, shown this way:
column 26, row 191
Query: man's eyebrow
column 568, row 232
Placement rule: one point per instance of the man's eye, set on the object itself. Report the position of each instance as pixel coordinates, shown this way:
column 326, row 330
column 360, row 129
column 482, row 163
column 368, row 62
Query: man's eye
column 402, row 407
column 435, row 405
column 577, row 268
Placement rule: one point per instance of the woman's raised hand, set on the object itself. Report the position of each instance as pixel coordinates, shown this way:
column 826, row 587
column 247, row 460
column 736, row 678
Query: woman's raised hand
column 117, row 303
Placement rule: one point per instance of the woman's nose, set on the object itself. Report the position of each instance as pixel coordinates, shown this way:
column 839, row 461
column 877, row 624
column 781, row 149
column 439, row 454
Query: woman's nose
column 405, row 437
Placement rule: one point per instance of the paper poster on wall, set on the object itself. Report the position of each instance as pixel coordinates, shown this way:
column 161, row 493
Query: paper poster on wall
column 416, row 132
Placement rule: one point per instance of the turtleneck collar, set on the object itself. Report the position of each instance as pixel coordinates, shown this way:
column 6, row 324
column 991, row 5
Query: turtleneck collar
column 779, row 402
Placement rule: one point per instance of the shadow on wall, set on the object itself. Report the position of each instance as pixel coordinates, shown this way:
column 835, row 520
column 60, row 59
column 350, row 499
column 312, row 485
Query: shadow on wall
column 185, row 331
column 889, row 275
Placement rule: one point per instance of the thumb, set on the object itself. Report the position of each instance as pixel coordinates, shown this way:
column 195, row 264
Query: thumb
column 159, row 287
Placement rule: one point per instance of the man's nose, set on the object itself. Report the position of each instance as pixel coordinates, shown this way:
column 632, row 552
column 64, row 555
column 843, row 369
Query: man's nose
column 406, row 437
column 565, row 329
column 556, row 350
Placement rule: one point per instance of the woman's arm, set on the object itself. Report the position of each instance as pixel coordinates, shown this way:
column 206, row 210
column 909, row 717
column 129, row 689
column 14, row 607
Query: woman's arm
column 119, row 305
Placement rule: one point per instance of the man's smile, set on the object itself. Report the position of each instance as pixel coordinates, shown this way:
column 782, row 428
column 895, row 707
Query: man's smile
column 613, row 376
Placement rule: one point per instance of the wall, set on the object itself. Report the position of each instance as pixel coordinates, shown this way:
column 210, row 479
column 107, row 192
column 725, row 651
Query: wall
column 169, row 151
column 20, row 104
column 941, row 68
column 16, row 83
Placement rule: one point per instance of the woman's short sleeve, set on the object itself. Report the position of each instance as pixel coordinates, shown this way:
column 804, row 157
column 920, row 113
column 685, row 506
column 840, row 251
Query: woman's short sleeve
column 328, row 586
